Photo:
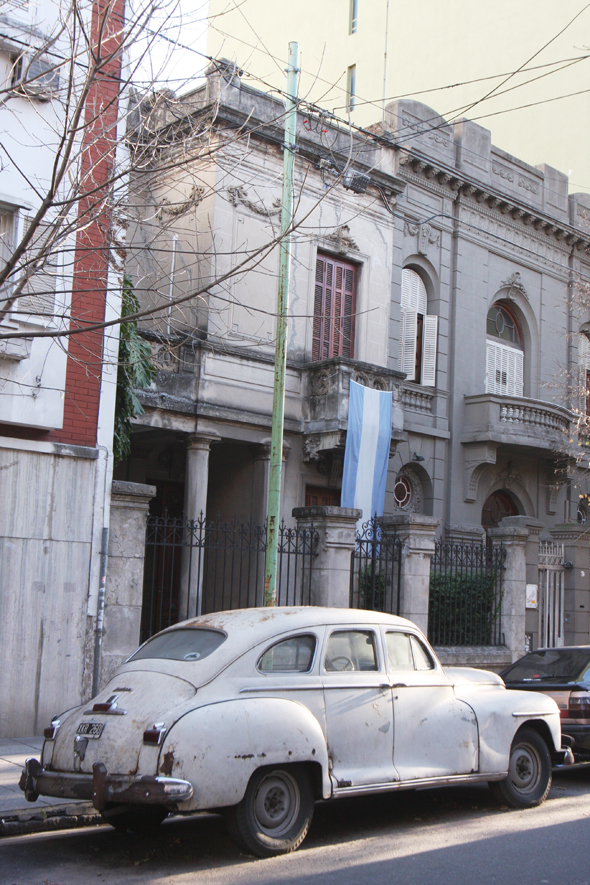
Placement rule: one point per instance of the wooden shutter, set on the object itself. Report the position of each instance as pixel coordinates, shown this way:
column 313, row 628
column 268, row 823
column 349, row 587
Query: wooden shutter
column 429, row 351
column 413, row 292
column 333, row 309
column 39, row 293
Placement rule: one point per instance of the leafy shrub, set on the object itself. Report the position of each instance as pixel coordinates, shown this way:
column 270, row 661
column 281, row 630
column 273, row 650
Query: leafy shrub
column 464, row 607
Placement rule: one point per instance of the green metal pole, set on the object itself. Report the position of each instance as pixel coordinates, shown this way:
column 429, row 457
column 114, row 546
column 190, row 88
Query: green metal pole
column 278, row 399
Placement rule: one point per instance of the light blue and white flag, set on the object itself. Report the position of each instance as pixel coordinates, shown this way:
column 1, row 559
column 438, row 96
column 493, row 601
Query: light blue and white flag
column 367, row 450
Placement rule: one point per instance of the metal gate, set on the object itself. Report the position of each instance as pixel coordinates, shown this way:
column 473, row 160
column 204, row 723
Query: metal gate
column 551, row 594
column 375, row 569
column 208, row 565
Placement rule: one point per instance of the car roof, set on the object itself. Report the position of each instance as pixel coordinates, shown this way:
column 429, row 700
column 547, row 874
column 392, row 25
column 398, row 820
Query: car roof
column 246, row 628
column 260, row 623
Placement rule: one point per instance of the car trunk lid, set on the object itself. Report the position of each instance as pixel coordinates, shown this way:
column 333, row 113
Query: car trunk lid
column 110, row 727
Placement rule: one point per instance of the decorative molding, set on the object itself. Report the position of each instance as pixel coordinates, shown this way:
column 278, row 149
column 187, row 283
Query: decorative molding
column 514, row 284
column 176, row 210
column 342, row 240
column 528, row 185
column 238, row 195
column 477, row 457
column 427, row 236
column 506, row 174
column 509, row 476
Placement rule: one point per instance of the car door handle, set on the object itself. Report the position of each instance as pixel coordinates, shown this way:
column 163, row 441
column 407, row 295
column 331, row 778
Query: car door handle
column 399, row 685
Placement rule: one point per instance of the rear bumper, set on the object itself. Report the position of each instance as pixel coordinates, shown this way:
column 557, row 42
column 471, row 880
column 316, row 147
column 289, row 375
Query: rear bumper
column 102, row 788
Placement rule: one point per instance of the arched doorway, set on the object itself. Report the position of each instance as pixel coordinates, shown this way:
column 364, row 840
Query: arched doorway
column 498, row 505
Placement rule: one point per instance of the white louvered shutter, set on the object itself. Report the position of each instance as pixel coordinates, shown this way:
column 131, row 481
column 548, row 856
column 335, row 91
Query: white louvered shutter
column 413, row 302
column 504, row 370
column 429, row 351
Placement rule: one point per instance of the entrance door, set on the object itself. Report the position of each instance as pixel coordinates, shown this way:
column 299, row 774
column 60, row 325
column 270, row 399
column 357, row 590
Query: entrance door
column 551, row 595
column 359, row 718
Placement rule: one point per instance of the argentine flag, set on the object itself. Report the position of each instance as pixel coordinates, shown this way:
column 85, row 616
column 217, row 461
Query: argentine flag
column 366, row 454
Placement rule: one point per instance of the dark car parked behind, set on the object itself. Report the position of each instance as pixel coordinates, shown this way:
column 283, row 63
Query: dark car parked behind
column 564, row 674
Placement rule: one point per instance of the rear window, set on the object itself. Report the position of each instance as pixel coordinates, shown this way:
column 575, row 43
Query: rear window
column 551, row 665
column 191, row 644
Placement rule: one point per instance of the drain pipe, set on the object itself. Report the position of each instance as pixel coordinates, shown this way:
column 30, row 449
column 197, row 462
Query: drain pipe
column 100, row 612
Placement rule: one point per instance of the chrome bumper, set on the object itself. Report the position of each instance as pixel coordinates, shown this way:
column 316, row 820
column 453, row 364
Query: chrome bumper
column 102, row 788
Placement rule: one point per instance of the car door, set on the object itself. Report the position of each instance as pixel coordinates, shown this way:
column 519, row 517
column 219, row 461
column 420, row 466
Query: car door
column 435, row 733
column 358, row 704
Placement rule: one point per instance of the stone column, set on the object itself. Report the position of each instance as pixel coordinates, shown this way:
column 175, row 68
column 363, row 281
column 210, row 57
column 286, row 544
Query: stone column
column 417, row 534
column 576, row 541
column 262, row 479
column 124, row 580
column 336, row 527
column 514, row 537
column 196, row 481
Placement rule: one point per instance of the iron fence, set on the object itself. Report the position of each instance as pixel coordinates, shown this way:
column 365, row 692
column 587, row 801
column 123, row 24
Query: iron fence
column 206, row 565
column 375, row 569
column 466, row 587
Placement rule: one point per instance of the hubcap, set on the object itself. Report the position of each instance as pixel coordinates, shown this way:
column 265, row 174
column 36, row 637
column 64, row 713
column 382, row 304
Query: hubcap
column 525, row 768
column 276, row 804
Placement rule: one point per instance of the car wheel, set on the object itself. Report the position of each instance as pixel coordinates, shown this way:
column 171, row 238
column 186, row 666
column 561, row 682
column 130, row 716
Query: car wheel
column 529, row 771
column 136, row 819
column 275, row 813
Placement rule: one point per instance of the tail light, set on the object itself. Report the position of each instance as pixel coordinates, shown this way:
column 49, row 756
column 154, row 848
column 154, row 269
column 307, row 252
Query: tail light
column 154, row 734
column 579, row 707
column 51, row 730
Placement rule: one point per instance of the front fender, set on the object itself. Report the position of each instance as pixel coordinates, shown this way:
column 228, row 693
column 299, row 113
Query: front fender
column 500, row 713
column 218, row 747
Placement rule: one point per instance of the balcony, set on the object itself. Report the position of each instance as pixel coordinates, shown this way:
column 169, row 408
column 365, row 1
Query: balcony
column 515, row 421
column 325, row 402
column 491, row 421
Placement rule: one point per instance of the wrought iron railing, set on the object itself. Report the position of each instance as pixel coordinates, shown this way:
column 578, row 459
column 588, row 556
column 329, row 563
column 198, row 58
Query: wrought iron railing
column 375, row 569
column 206, row 565
column 465, row 605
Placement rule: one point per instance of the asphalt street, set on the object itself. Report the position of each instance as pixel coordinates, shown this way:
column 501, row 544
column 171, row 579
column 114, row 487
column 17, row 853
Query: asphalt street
column 441, row 837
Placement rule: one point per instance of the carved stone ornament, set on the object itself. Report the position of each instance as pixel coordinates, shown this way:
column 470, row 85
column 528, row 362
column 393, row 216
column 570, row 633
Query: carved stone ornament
column 368, row 379
column 342, row 240
column 427, row 236
column 509, row 476
column 311, row 448
column 321, row 382
column 238, row 195
column 177, row 209
column 514, row 284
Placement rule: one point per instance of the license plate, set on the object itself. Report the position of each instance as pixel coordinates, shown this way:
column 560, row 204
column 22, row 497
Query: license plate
column 90, row 729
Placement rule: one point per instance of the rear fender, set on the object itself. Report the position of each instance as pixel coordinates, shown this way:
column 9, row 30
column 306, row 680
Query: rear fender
column 218, row 747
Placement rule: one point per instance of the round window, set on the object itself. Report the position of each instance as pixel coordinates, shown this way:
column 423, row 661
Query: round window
column 402, row 491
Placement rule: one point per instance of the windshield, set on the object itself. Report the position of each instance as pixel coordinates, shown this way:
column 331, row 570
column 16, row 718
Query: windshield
column 192, row 644
column 554, row 664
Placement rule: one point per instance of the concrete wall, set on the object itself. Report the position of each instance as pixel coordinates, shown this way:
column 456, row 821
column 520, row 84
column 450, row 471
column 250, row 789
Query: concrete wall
column 45, row 535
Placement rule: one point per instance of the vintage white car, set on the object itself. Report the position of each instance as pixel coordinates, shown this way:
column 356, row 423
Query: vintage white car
column 261, row 712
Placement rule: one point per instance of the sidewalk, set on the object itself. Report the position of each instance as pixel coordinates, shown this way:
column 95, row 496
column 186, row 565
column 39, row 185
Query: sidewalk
column 19, row 816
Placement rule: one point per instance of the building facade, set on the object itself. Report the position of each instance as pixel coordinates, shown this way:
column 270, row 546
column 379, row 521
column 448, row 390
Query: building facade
column 56, row 395
column 439, row 268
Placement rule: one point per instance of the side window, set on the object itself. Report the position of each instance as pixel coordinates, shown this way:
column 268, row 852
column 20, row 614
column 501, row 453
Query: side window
column 351, row 650
column 422, row 659
column 399, row 655
column 294, row 655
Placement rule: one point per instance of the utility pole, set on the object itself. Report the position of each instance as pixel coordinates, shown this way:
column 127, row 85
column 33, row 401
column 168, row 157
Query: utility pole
column 278, row 399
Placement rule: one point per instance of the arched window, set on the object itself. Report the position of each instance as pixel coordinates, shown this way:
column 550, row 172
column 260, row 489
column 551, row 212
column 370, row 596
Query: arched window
column 504, row 352
column 584, row 368
column 417, row 351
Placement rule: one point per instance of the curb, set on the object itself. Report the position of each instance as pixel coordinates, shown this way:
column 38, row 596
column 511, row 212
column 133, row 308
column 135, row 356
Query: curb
column 55, row 817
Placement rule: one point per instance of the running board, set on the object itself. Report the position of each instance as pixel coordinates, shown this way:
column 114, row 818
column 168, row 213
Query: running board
column 419, row 783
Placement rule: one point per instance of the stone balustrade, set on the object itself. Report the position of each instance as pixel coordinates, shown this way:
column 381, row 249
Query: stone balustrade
column 535, row 416
column 417, row 400
column 513, row 420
